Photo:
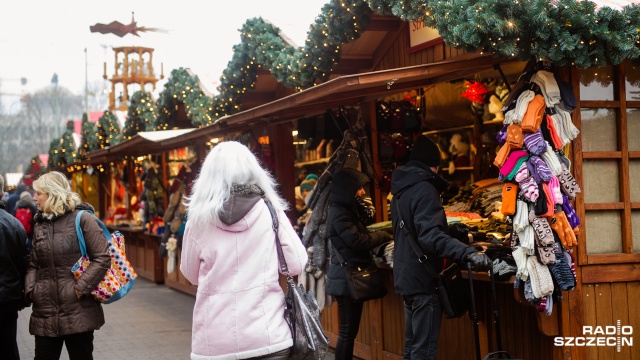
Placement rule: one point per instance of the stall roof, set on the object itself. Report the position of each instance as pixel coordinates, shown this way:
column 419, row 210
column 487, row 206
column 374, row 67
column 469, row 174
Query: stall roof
column 146, row 142
column 345, row 91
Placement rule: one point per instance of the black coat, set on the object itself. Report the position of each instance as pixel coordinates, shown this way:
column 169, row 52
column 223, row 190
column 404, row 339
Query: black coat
column 418, row 189
column 14, row 258
column 348, row 235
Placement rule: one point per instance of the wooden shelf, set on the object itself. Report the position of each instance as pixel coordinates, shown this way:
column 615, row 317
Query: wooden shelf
column 493, row 122
column 311, row 162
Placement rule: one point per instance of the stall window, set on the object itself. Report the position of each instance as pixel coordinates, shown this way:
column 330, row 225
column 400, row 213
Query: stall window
column 609, row 120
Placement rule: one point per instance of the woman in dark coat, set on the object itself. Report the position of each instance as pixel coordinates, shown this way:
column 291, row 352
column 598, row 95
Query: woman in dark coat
column 64, row 312
column 349, row 236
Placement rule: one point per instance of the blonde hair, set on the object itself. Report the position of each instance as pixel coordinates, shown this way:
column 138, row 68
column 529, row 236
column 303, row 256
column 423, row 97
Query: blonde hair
column 60, row 197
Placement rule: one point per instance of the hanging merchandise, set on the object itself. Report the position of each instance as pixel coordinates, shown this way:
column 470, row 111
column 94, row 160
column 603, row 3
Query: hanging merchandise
column 152, row 195
column 537, row 125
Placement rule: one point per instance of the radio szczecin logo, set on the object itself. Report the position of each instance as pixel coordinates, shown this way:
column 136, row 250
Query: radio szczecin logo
column 613, row 336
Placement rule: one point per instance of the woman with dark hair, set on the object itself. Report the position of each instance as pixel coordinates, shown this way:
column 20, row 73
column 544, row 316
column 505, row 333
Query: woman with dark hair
column 350, row 238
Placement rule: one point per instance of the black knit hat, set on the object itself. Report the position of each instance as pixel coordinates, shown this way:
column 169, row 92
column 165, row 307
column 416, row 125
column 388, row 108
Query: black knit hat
column 426, row 151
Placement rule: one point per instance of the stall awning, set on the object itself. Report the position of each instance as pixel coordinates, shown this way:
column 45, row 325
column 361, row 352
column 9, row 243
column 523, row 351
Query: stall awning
column 345, row 91
column 142, row 143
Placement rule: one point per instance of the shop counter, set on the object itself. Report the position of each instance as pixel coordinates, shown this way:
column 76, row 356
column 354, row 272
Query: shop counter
column 525, row 333
column 142, row 251
column 175, row 279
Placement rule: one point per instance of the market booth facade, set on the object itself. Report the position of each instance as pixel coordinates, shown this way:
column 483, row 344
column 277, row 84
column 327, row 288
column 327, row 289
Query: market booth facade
column 603, row 160
column 604, row 275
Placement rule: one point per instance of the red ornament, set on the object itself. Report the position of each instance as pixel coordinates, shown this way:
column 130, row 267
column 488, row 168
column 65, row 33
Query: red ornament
column 475, row 91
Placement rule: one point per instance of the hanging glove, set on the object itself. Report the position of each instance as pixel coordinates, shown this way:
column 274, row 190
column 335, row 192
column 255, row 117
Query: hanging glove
column 561, row 226
column 479, row 260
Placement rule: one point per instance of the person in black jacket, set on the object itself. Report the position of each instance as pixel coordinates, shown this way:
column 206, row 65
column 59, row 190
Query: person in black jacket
column 350, row 237
column 14, row 258
column 416, row 188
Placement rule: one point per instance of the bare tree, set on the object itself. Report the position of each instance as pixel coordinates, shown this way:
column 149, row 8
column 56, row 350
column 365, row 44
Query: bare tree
column 42, row 117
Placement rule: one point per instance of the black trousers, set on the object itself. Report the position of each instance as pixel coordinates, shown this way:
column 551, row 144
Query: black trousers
column 79, row 346
column 8, row 330
column 349, row 313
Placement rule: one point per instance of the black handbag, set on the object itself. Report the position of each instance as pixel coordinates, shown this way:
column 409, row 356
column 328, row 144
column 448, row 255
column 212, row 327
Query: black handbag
column 454, row 293
column 364, row 283
column 452, row 289
column 301, row 311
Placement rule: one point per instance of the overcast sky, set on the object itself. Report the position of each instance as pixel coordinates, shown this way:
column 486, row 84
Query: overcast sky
column 39, row 38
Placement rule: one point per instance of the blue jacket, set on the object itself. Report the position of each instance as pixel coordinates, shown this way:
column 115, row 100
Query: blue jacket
column 418, row 188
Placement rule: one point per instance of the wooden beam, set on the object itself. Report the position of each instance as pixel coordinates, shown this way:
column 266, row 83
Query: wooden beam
column 384, row 23
column 351, row 66
column 608, row 273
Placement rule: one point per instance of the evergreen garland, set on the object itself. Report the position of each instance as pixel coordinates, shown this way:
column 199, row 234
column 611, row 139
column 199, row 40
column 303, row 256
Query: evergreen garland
column 298, row 68
column 68, row 145
column 55, row 154
column 62, row 150
column 108, row 130
column 141, row 114
column 567, row 32
column 88, row 134
column 182, row 88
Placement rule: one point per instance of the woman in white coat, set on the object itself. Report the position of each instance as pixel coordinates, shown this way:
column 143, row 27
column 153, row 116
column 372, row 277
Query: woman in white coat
column 229, row 252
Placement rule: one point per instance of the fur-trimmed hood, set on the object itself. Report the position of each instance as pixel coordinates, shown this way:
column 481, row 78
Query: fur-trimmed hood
column 41, row 216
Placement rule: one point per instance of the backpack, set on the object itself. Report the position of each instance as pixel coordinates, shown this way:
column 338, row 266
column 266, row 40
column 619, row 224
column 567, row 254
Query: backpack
column 25, row 217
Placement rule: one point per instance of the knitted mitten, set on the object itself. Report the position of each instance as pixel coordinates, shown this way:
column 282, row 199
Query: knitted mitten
column 540, row 168
column 541, row 281
column 523, row 173
column 568, row 184
column 515, row 137
column 534, row 142
column 554, row 187
column 574, row 221
column 529, row 189
column 561, row 226
column 542, row 230
column 561, row 270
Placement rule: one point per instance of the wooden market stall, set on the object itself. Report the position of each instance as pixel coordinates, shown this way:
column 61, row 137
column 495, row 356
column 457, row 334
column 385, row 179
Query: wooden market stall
column 386, row 64
column 607, row 274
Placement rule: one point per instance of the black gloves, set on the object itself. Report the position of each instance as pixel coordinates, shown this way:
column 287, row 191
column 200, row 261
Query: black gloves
column 479, row 260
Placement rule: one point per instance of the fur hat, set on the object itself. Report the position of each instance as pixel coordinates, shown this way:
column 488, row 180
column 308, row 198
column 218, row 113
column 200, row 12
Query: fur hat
column 426, row 151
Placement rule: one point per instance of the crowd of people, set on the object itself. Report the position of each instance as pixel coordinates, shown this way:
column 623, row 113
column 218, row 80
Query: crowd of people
column 229, row 251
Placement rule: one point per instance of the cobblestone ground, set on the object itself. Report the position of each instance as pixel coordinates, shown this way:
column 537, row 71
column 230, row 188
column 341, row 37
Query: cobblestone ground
column 153, row 322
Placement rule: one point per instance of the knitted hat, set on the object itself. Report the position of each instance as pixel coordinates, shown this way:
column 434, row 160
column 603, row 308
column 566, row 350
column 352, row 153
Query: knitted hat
column 312, row 176
column 426, row 151
column 308, row 184
column 567, row 98
column 25, row 195
column 548, row 87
